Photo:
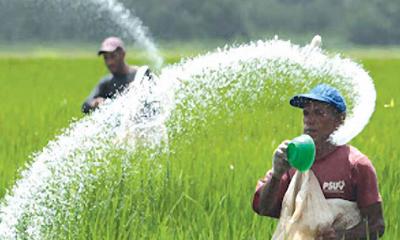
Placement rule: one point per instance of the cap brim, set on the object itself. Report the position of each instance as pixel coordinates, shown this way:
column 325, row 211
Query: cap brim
column 299, row 100
column 101, row 51
column 108, row 50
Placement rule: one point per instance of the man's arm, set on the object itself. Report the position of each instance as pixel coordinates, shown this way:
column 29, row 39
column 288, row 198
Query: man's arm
column 95, row 98
column 267, row 198
column 371, row 224
column 369, row 202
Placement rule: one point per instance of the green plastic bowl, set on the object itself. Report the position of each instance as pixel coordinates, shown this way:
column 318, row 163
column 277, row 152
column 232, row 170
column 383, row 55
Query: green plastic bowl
column 301, row 152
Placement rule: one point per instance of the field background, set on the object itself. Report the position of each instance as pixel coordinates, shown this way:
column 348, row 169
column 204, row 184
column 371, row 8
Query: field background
column 210, row 184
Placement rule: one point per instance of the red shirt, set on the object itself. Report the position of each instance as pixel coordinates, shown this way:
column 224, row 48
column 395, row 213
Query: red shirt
column 345, row 173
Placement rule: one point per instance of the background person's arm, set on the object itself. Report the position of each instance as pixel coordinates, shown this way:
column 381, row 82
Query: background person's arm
column 95, row 98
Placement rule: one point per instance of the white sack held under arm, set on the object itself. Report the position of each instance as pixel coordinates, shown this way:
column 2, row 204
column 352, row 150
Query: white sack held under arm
column 305, row 211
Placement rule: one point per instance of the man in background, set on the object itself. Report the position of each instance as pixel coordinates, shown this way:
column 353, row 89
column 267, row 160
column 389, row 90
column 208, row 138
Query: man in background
column 113, row 51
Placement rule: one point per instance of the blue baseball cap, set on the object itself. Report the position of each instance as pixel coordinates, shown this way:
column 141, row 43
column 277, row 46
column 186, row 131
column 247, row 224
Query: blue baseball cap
column 322, row 93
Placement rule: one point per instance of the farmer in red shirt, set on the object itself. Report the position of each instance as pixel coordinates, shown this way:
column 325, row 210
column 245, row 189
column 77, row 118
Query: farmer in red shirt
column 342, row 171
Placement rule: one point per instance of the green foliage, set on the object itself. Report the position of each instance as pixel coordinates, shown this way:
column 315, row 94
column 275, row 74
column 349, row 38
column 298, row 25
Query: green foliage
column 202, row 188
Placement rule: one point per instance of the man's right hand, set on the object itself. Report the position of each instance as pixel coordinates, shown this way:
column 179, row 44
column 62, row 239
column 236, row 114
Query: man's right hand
column 96, row 102
column 280, row 163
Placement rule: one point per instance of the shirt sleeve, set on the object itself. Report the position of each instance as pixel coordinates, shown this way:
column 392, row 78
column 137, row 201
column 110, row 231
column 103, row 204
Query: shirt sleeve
column 367, row 183
column 97, row 91
column 283, row 186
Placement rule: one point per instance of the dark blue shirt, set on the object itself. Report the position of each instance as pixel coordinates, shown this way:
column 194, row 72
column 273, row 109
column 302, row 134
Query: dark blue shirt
column 108, row 87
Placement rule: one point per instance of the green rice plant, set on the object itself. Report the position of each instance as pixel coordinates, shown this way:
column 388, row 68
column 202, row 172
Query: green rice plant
column 202, row 188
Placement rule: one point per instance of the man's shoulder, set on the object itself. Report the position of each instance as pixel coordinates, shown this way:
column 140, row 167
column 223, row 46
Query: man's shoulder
column 133, row 69
column 132, row 73
column 357, row 158
column 348, row 154
column 106, row 79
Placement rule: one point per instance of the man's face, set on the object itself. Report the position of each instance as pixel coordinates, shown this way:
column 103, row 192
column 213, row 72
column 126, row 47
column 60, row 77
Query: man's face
column 320, row 120
column 114, row 60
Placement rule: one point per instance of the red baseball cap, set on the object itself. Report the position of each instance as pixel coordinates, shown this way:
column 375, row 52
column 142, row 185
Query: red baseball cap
column 111, row 44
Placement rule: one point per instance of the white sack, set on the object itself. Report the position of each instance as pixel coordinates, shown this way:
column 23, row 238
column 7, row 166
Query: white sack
column 305, row 211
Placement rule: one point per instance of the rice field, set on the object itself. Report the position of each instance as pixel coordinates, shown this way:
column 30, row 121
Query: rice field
column 205, row 187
